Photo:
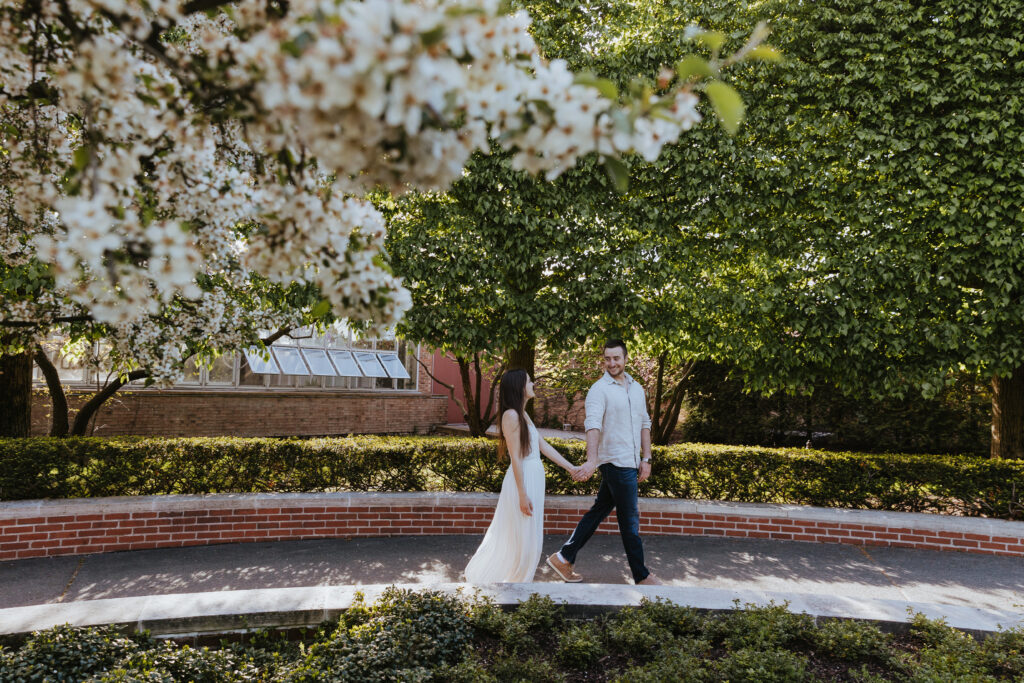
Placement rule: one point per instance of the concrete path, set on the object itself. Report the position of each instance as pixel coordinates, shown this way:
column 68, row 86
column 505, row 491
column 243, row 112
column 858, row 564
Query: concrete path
column 974, row 591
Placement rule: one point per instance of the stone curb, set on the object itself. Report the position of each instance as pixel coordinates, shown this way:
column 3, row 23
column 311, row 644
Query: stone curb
column 198, row 614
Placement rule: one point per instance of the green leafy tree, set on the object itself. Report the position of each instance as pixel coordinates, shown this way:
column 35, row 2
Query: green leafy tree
column 504, row 260
column 863, row 229
column 883, row 179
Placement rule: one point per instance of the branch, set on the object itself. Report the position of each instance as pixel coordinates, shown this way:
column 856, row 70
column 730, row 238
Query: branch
column 277, row 335
column 203, row 5
column 64, row 319
column 494, row 388
column 86, row 412
column 449, row 387
column 59, row 422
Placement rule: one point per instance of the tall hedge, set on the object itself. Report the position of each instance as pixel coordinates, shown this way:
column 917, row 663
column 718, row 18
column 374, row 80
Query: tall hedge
column 88, row 467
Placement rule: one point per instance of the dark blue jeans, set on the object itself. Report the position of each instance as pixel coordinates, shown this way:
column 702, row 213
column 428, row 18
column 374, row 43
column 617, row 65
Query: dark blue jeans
column 618, row 492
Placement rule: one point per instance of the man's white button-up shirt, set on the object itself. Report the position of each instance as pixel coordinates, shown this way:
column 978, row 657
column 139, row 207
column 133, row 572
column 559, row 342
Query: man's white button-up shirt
column 620, row 412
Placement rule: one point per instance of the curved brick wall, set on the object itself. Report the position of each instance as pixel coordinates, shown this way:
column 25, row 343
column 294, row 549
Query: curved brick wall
column 41, row 528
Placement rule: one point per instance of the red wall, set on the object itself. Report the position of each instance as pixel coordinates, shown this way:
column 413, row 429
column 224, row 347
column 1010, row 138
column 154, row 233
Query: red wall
column 447, row 370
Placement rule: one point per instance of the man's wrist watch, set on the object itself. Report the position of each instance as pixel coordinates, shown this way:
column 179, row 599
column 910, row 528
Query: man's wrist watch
column 647, row 459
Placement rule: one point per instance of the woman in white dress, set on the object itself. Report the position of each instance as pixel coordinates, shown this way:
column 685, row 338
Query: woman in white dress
column 511, row 547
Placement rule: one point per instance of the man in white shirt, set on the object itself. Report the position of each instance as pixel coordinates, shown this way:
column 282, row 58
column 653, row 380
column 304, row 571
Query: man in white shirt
column 619, row 444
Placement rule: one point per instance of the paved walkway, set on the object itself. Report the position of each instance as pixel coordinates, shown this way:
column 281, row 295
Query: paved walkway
column 975, row 591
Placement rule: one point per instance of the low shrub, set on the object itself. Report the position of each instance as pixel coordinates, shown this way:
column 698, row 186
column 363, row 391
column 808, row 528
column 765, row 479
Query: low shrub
column 682, row 665
column 427, row 636
column 634, row 631
column 402, row 636
column 762, row 665
column 851, row 640
column 580, row 645
column 170, row 663
column 526, row 669
column 66, row 654
column 763, row 628
column 44, row 467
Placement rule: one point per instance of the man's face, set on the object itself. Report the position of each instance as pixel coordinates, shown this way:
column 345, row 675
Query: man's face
column 615, row 361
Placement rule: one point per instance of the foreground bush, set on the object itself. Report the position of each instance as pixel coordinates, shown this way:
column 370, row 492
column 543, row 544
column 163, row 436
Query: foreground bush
column 80, row 467
column 428, row 636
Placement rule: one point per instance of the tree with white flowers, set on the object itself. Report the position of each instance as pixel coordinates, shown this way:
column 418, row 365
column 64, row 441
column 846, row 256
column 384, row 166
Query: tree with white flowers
column 158, row 158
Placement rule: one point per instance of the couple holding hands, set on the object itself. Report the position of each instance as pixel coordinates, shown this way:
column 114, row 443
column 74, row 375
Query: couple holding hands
column 618, row 444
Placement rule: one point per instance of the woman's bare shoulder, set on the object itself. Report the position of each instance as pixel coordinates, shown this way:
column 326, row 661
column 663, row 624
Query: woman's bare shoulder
column 510, row 421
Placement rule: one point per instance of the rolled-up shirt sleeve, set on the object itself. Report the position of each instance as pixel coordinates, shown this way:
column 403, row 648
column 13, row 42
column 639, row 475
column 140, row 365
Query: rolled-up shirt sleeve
column 595, row 409
column 645, row 421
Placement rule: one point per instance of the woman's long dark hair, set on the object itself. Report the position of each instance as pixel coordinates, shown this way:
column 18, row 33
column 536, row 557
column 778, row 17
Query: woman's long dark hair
column 511, row 393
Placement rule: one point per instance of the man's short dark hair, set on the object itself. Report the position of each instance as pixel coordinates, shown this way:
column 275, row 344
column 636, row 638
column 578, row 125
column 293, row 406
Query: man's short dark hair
column 614, row 343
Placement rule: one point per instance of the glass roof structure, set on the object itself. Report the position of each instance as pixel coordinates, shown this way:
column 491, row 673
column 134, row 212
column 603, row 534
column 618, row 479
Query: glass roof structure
column 318, row 362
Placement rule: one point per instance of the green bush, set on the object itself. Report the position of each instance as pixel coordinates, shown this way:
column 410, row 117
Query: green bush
column 1002, row 653
column 169, row 663
column 763, row 628
column 428, row 636
column 402, row 636
column 762, row 666
column 44, row 467
column 634, row 631
column 65, row 653
column 525, row 669
column 682, row 659
column 579, row 645
column 852, row 640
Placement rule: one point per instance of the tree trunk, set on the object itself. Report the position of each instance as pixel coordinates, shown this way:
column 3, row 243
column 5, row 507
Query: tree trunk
column 1008, row 415
column 89, row 409
column 16, row 394
column 59, row 421
column 470, row 406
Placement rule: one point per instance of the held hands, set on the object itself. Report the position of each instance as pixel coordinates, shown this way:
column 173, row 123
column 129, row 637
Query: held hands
column 583, row 472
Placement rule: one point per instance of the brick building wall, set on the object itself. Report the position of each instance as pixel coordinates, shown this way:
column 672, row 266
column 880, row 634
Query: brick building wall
column 256, row 411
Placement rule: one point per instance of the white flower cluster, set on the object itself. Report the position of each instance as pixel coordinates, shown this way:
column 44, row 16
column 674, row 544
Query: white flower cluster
column 241, row 145
column 399, row 93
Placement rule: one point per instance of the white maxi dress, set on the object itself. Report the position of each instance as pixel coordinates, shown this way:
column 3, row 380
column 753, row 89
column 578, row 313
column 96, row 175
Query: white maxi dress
column 512, row 545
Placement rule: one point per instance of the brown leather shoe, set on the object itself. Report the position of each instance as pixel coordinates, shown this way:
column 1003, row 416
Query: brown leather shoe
column 563, row 569
column 651, row 580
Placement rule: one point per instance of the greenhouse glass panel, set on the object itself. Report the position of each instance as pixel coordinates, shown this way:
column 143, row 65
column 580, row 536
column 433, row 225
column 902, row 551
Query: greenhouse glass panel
column 394, row 366
column 259, row 366
column 290, row 360
column 345, row 363
column 369, row 363
column 319, row 363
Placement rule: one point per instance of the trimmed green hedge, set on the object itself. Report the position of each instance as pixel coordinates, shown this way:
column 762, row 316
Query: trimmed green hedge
column 88, row 467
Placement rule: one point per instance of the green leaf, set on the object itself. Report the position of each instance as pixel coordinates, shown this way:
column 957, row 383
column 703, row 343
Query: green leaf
column 712, row 39
column 81, row 157
column 692, row 65
column 321, row 309
column 433, row 36
column 727, row 103
column 618, row 171
column 603, row 85
column 765, row 52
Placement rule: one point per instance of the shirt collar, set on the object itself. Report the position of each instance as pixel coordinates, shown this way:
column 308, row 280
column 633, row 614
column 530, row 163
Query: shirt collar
column 608, row 378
